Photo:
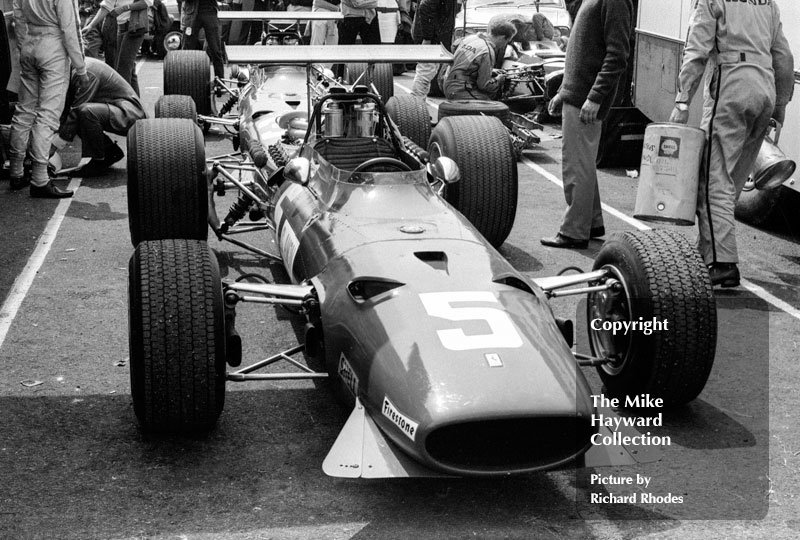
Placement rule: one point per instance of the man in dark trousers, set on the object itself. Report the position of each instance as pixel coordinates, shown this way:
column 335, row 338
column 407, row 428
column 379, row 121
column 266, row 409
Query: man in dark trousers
column 107, row 103
column 433, row 23
column 204, row 14
column 597, row 56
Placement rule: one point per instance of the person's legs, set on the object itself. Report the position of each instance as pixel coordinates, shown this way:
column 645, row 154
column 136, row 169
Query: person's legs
column 108, row 32
column 25, row 112
column 53, row 68
column 210, row 23
column 579, row 174
column 128, row 44
column 423, row 76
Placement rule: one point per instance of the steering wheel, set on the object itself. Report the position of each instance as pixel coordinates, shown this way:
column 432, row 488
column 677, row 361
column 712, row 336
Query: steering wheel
column 381, row 161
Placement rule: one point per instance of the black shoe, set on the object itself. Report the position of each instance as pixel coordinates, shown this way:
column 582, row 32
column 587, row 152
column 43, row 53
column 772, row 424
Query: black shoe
column 561, row 241
column 95, row 167
column 49, row 191
column 113, row 154
column 17, row 183
column 597, row 232
column 724, row 274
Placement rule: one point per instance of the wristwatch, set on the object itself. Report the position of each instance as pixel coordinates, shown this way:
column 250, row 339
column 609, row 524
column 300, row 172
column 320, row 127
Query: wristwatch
column 681, row 106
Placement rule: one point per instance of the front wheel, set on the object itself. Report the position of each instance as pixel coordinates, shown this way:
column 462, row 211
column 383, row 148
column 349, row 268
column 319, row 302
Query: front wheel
column 662, row 282
column 487, row 192
column 177, row 336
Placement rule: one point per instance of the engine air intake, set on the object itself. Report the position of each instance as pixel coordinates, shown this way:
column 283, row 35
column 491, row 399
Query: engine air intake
column 514, row 444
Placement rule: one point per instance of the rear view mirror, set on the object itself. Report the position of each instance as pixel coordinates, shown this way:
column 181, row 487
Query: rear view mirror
column 445, row 170
column 297, row 170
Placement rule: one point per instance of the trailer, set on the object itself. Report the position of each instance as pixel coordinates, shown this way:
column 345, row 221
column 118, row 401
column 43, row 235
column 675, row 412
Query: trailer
column 660, row 33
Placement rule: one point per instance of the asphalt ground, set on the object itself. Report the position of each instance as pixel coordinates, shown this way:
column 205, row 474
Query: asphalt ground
column 74, row 464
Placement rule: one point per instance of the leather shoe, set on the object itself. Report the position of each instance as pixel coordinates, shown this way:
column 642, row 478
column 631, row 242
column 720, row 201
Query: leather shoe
column 561, row 241
column 17, row 183
column 597, row 232
column 49, row 191
column 724, row 274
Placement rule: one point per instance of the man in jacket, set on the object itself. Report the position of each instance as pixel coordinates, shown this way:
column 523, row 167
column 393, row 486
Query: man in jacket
column 48, row 39
column 597, row 57
column 360, row 19
column 107, row 103
column 470, row 76
column 743, row 47
column 204, row 14
column 433, row 23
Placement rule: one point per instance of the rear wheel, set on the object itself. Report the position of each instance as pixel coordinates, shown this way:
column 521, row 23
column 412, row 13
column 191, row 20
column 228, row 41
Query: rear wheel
column 661, row 278
column 167, row 187
column 177, row 336
column 487, row 191
column 382, row 78
column 411, row 116
column 176, row 106
column 189, row 73
column 475, row 107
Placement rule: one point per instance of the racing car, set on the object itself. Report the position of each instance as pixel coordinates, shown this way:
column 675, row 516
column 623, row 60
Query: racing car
column 452, row 361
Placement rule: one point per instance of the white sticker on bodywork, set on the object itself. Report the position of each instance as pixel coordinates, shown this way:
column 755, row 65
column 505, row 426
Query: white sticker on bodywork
column 406, row 425
column 347, row 374
column 289, row 246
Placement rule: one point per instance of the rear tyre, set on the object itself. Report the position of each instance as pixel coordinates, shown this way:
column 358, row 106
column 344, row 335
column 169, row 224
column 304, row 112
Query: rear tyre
column 176, row 106
column 411, row 116
column 189, row 73
column 487, row 191
column 382, row 78
column 177, row 336
column 662, row 277
column 475, row 107
column 167, row 187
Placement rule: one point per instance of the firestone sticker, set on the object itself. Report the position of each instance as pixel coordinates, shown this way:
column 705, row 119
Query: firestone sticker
column 406, row 425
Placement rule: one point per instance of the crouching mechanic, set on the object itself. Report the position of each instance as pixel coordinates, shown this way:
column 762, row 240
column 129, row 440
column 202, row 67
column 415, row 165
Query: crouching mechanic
column 742, row 47
column 470, row 76
column 108, row 103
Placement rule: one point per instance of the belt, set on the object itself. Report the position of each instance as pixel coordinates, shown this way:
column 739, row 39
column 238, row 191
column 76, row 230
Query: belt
column 41, row 30
column 733, row 57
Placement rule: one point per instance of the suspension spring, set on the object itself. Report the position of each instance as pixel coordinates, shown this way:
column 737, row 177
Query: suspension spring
column 228, row 105
column 278, row 154
column 236, row 212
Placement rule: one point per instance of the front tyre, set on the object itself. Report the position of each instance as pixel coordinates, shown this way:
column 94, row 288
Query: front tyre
column 487, row 192
column 177, row 336
column 167, row 185
column 661, row 278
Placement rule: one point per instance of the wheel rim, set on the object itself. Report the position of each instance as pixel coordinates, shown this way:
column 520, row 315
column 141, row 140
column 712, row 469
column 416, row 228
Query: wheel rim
column 172, row 41
column 613, row 306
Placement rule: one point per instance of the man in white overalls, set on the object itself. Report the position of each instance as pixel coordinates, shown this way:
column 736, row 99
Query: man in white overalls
column 750, row 80
column 48, row 39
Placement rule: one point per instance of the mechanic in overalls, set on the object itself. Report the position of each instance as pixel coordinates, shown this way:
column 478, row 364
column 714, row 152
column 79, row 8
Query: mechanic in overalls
column 751, row 78
column 48, row 38
column 470, row 76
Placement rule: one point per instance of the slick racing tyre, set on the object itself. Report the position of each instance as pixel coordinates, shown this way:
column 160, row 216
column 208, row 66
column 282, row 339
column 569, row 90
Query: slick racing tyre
column 661, row 278
column 177, row 336
column 167, row 188
column 382, row 78
column 758, row 206
column 176, row 106
column 475, row 107
column 189, row 73
column 411, row 116
column 486, row 194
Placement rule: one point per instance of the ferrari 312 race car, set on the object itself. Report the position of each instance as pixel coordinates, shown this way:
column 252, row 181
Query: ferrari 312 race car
column 452, row 361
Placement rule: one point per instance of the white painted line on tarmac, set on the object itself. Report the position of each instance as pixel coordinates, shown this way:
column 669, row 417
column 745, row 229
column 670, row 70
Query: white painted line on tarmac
column 752, row 287
column 25, row 279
